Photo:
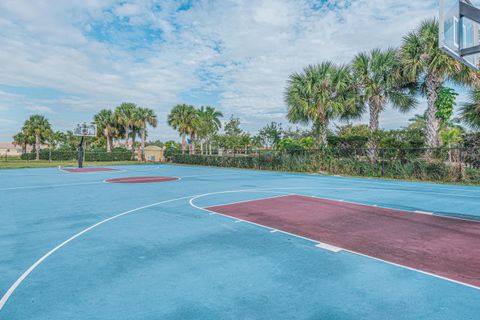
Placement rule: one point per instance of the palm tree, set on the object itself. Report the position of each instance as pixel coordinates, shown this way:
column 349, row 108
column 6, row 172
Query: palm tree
column 124, row 116
column 209, row 124
column 380, row 81
column 319, row 94
column 136, row 123
column 147, row 118
column 20, row 139
column 105, row 121
column 471, row 111
column 426, row 64
column 54, row 138
column 37, row 126
column 183, row 118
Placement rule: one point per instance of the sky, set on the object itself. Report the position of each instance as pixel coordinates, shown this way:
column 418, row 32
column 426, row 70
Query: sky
column 69, row 59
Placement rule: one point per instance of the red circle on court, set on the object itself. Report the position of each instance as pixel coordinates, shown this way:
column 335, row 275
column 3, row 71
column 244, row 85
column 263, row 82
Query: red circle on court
column 150, row 179
column 88, row 169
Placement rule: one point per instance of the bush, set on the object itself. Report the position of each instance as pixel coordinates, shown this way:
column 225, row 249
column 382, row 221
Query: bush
column 354, row 162
column 69, row 155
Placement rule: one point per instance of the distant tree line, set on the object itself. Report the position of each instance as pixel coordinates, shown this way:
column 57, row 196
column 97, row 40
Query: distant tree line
column 127, row 121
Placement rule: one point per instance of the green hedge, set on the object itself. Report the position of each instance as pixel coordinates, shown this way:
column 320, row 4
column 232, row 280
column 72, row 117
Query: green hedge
column 401, row 168
column 72, row 155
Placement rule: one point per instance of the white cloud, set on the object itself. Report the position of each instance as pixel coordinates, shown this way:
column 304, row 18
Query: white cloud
column 127, row 10
column 244, row 50
column 40, row 109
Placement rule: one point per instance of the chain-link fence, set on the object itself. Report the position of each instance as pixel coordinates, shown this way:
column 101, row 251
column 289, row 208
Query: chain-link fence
column 441, row 164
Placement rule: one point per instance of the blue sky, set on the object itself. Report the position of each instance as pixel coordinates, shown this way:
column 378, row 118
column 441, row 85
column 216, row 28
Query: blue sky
column 68, row 59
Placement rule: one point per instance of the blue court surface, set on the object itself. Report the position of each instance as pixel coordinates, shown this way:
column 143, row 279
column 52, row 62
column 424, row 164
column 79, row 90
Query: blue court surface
column 75, row 247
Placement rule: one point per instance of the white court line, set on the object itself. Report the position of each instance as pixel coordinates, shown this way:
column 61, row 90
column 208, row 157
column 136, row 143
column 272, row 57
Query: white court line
column 283, row 194
column 141, row 183
column 212, row 175
column 83, row 183
column 63, row 169
column 362, row 181
column 425, row 212
column 341, row 249
column 328, row 247
column 15, row 285
column 51, row 185
column 353, row 202
column 24, row 275
column 389, row 208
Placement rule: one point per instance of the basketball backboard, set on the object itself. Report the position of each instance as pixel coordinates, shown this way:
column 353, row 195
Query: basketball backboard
column 459, row 25
column 85, row 130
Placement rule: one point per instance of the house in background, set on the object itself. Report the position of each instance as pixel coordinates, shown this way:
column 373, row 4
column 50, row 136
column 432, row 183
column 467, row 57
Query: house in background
column 154, row 154
column 10, row 150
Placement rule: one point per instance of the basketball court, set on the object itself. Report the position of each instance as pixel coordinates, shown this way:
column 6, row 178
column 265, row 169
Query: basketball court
column 207, row 243
column 184, row 242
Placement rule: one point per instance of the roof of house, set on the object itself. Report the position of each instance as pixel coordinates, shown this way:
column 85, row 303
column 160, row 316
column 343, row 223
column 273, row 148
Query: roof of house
column 153, row 148
column 10, row 145
column 7, row 145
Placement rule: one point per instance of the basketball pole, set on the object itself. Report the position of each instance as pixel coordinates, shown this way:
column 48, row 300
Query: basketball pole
column 80, row 153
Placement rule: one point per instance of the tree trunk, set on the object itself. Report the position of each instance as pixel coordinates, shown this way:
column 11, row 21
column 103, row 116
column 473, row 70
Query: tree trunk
column 126, row 136
column 143, row 143
column 209, row 148
column 133, row 145
column 184, row 143
column 192, row 144
column 109, row 141
column 322, row 127
column 201, row 148
column 37, row 146
column 432, row 131
column 373, row 128
column 322, row 134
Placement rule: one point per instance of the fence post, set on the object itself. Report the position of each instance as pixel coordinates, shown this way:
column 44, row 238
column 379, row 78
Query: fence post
column 382, row 151
column 460, row 160
column 258, row 158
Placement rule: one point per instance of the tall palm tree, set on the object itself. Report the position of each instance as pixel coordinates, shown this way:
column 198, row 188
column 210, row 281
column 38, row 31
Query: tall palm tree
column 319, row 94
column 209, row 124
column 106, row 125
column 183, row 118
column 426, row 64
column 471, row 110
column 124, row 116
column 37, row 126
column 380, row 81
column 147, row 118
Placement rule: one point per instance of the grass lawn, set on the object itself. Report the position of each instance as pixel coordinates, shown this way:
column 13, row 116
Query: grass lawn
column 17, row 163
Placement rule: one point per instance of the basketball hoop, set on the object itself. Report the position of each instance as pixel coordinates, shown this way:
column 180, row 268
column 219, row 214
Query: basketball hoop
column 85, row 130
column 459, row 29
